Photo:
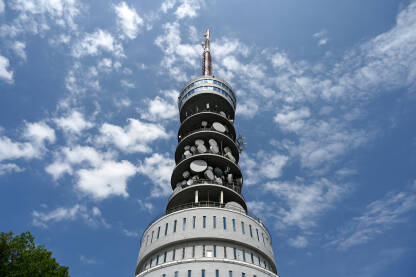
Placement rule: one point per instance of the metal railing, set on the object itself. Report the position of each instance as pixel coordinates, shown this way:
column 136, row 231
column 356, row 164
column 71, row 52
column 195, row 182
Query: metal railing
column 233, row 185
column 206, row 110
column 205, row 129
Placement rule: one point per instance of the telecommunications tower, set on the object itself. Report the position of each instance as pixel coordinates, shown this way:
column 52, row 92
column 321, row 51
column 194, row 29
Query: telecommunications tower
column 206, row 230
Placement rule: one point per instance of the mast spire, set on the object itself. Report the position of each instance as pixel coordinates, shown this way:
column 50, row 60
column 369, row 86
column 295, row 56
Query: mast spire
column 206, row 55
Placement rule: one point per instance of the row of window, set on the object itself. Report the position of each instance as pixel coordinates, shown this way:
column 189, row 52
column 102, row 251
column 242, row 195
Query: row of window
column 217, row 273
column 234, row 224
column 208, row 251
column 209, row 81
column 221, row 91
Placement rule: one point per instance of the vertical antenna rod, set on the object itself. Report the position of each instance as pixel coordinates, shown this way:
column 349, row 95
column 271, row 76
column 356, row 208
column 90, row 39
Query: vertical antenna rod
column 206, row 56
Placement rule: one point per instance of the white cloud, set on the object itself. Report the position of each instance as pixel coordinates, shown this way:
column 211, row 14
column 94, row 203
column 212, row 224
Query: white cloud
column 128, row 19
column 378, row 217
column 158, row 168
column 159, row 109
column 86, row 260
column 131, row 234
column 262, row 166
column 298, row 242
column 299, row 204
column 8, row 168
column 127, row 84
column 188, row 8
column 110, row 178
column 39, row 132
column 322, row 37
column 145, row 205
column 135, row 137
column 93, row 44
column 19, row 49
column 89, row 216
column 73, row 123
column 68, row 157
column 5, row 73
column 35, row 16
column 292, row 120
column 2, row 6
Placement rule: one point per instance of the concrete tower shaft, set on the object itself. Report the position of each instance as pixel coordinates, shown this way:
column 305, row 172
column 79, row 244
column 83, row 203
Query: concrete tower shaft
column 206, row 230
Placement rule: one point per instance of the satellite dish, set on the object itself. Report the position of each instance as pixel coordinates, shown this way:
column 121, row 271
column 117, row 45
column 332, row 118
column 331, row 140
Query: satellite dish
column 201, row 149
column 198, row 166
column 218, row 127
column 186, row 174
column 199, row 142
column 212, row 142
column 214, row 149
column 218, row 172
column 204, row 124
column 209, row 175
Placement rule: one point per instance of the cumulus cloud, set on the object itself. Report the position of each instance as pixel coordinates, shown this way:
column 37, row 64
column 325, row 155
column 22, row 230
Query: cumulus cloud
column 292, row 120
column 378, row 217
column 134, row 137
column 128, row 20
column 9, row 167
column 262, row 166
column 160, row 109
column 188, row 8
column 2, row 6
column 5, row 73
column 94, row 43
column 109, row 178
column 73, row 123
column 37, row 134
column 89, row 216
column 145, row 205
column 158, row 168
column 19, row 49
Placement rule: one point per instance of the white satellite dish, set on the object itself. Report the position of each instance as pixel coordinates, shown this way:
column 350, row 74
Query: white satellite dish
column 198, row 166
column 212, row 142
column 201, row 149
column 218, row 127
column 199, row 142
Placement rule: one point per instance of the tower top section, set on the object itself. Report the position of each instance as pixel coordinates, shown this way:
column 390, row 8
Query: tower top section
column 206, row 55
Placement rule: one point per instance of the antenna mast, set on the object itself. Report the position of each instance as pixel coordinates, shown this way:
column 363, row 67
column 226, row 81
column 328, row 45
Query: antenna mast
column 206, row 56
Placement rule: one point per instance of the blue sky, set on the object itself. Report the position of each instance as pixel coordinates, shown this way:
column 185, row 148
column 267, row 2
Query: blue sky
column 326, row 101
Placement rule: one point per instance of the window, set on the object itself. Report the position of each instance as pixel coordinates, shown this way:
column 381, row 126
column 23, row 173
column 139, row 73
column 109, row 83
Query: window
column 225, row 252
column 151, row 240
column 252, row 257
column 262, row 236
column 183, row 253
column 184, row 224
column 176, row 274
column 242, row 228
column 257, row 232
column 157, row 259
column 217, row 273
column 264, row 264
column 242, row 274
column 235, row 253
column 173, row 254
column 230, row 273
column 163, row 275
column 224, row 222
column 244, row 255
column 214, row 221
column 203, row 273
column 259, row 259
column 158, row 232
column 203, row 250
column 147, row 239
column 251, row 231
column 164, row 256
column 204, row 221
column 193, row 251
column 189, row 273
column 193, row 222
column 174, row 225
column 233, row 224
column 151, row 261
column 215, row 251
column 166, row 229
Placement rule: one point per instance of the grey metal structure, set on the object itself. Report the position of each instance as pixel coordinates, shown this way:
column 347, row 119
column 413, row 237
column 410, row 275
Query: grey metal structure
column 206, row 230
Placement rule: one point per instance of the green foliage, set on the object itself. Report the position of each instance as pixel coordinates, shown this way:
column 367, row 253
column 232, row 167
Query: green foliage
column 20, row 257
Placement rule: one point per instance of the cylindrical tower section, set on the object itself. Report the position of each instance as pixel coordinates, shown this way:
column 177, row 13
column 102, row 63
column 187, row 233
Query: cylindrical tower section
column 206, row 230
